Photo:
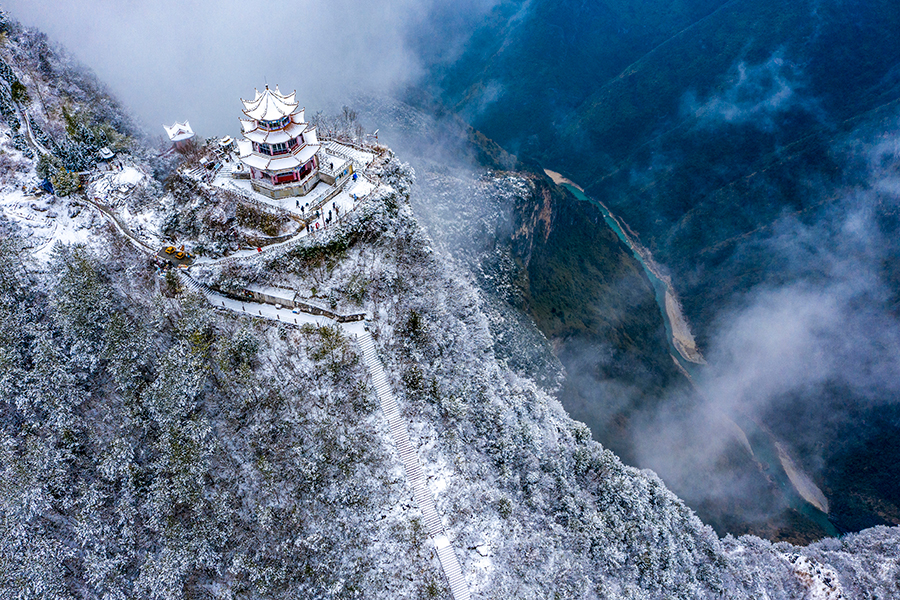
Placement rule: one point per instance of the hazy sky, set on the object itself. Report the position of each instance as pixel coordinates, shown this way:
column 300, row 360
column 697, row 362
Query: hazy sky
column 171, row 60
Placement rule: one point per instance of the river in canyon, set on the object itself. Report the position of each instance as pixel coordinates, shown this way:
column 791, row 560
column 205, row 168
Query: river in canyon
column 771, row 456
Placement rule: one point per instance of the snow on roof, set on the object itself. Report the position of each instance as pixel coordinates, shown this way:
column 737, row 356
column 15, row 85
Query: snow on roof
column 270, row 105
column 275, row 292
column 281, row 163
column 245, row 147
column 275, row 137
column 129, row 176
column 179, row 131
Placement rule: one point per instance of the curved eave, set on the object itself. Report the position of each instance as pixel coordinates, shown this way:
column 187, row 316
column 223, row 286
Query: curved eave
column 179, row 131
column 276, row 164
column 261, row 136
column 270, row 111
column 270, row 105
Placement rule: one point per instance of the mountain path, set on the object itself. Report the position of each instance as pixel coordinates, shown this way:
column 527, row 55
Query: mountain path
column 415, row 475
column 412, row 465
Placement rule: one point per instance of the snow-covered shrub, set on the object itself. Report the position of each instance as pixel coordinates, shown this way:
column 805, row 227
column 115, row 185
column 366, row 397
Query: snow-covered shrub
column 9, row 166
column 155, row 448
column 344, row 126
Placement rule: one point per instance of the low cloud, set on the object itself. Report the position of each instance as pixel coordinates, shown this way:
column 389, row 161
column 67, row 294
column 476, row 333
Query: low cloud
column 752, row 94
column 815, row 344
column 193, row 59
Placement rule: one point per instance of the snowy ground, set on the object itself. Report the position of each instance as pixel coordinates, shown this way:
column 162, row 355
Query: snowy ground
column 282, row 315
column 268, row 311
column 821, row 580
column 45, row 220
column 353, row 193
column 145, row 225
column 298, row 204
column 337, row 155
column 113, row 187
column 335, row 162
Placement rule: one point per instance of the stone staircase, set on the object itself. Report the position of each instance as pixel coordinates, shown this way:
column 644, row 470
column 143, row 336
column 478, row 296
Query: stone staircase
column 192, row 285
column 414, row 474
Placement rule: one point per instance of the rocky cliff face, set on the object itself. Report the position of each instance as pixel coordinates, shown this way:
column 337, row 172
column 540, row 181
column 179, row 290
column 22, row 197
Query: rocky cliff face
column 546, row 263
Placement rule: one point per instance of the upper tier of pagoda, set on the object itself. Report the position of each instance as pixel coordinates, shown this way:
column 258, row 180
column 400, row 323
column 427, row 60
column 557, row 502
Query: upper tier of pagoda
column 270, row 105
column 274, row 118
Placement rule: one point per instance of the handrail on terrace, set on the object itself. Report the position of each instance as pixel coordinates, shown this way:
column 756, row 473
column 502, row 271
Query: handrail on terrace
column 353, row 145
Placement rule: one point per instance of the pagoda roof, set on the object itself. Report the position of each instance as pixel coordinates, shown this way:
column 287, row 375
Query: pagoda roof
column 248, row 125
column 261, row 136
column 179, row 131
column 270, row 105
column 244, row 148
column 281, row 163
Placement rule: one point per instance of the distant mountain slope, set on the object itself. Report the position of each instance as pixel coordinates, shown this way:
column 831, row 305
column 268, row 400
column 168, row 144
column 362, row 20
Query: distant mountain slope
column 751, row 146
column 540, row 260
column 528, row 70
column 602, row 79
column 657, row 111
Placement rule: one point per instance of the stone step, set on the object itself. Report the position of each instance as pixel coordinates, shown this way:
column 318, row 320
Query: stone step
column 415, row 474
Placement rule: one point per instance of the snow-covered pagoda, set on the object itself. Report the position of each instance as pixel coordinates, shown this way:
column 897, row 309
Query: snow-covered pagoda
column 279, row 147
column 180, row 134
